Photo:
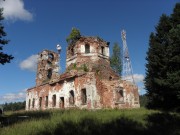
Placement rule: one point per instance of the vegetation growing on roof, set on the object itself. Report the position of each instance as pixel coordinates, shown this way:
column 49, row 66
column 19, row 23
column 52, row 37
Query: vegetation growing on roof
column 74, row 36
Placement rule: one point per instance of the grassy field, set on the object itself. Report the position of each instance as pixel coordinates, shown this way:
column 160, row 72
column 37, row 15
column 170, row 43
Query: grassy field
column 106, row 122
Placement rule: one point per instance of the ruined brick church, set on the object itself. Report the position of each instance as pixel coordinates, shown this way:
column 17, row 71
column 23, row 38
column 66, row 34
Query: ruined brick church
column 88, row 81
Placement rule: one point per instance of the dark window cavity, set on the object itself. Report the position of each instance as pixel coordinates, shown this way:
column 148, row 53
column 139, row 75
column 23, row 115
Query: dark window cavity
column 119, row 95
column 49, row 74
column 102, row 50
column 29, row 103
column 54, row 100
column 40, row 102
column 46, row 101
column 83, row 96
column 71, row 97
column 61, row 102
column 87, row 48
column 33, row 102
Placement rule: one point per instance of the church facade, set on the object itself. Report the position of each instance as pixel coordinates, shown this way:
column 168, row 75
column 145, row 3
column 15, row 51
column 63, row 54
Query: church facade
column 88, row 82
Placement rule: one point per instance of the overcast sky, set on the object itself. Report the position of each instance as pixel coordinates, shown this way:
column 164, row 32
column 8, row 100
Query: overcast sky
column 34, row 25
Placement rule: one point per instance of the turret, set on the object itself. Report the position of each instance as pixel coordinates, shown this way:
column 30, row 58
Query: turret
column 87, row 50
column 48, row 67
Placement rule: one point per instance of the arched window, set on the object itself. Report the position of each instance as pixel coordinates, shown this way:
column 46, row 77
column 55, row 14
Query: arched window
column 40, row 102
column 49, row 74
column 54, row 100
column 51, row 56
column 61, row 102
column 83, row 96
column 102, row 50
column 119, row 95
column 46, row 101
column 29, row 103
column 33, row 102
column 87, row 48
column 71, row 97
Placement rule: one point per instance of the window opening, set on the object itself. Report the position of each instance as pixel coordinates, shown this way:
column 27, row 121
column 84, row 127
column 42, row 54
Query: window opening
column 49, row 74
column 61, row 102
column 51, row 56
column 46, row 101
column 102, row 50
column 110, row 78
column 40, row 102
column 33, row 102
column 29, row 103
column 84, row 96
column 87, row 48
column 71, row 97
column 54, row 100
column 119, row 95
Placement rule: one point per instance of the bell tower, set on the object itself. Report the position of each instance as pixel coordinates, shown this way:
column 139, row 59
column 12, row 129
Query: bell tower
column 47, row 67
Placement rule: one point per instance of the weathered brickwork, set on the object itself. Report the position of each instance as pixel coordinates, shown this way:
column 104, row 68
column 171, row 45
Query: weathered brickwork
column 88, row 81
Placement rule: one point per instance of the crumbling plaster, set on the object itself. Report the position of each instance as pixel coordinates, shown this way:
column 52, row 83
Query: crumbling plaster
column 84, row 71
column 62, row 89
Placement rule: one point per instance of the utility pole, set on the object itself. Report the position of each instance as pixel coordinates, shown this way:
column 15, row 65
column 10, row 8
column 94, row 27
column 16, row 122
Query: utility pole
column 127, row 67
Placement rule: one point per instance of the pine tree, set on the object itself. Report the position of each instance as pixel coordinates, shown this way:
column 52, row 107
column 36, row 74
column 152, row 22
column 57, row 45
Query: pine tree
column 162, row 79
column 115, row 59
column 4, row 58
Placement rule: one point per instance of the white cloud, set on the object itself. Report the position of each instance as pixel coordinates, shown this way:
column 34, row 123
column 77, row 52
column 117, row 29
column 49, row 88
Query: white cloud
column 30, row 63
column 138, row 78
column 14, row 10
column 141, row 89
column 13, row 97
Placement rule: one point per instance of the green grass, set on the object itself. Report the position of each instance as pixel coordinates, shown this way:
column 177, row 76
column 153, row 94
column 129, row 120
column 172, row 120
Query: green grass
column 67, row 122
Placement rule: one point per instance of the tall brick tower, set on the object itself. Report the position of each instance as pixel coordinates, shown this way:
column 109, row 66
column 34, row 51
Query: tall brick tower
column 48, row 67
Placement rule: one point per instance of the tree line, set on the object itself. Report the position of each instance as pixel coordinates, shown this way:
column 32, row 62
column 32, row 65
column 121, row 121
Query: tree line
column 16, row 106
